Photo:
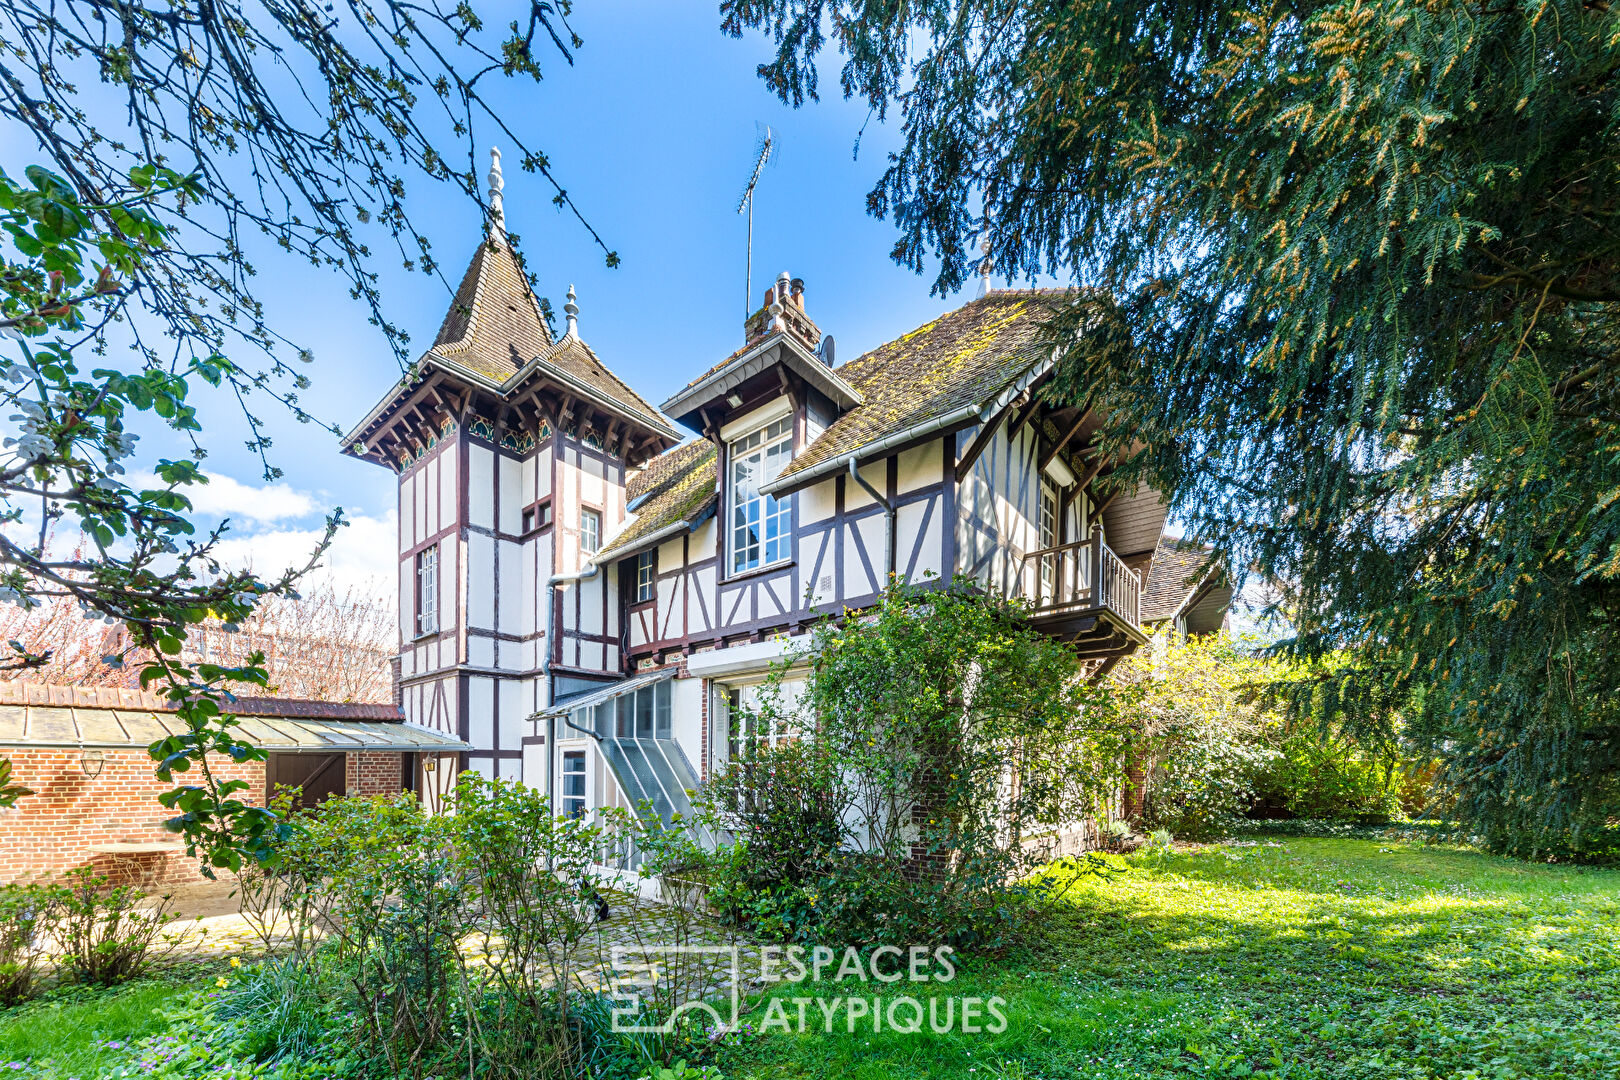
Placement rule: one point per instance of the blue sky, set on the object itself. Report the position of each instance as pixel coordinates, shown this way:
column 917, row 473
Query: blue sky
column 653, row 131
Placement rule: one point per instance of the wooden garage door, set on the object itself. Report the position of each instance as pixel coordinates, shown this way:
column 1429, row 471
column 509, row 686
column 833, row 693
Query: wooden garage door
column 319, row 775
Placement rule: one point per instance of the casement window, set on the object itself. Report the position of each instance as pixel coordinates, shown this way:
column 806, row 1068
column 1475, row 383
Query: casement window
column 590, row 531
column 748, row 726
column 644, row 577
column 1049, row 537
column 573, row 783
column 427, row 590
column 537, row 516
column 761, row 527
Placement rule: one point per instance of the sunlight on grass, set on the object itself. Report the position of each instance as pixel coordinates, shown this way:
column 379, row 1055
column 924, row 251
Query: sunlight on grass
column 85, row 1030
column 1309, row 958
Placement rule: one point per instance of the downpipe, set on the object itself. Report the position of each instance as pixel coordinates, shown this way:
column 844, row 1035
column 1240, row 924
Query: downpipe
column 888, row 522
column 545, row 663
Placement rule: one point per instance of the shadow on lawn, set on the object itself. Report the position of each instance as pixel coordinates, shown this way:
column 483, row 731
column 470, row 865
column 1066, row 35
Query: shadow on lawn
column 1279, row 917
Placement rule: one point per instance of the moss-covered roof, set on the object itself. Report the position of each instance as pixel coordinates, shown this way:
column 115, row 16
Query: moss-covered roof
column 964, row 357
column 573, row 356
column 676, row 486
column 494, row 327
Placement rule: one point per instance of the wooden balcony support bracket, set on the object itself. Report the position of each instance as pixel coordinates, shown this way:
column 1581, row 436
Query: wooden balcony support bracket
column 1023, row 415
column 1057, row 448
column 1106, row 503
column 1091, row 472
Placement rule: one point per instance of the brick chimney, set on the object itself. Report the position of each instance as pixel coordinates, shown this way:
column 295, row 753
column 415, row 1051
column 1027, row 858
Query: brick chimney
column 782, row 310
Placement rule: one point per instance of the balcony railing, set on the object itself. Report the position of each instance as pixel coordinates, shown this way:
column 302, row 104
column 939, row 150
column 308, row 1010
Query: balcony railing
column 1081, row 575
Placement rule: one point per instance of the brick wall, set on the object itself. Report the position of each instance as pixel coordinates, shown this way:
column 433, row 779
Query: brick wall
column 373, row 773
column 53, row 829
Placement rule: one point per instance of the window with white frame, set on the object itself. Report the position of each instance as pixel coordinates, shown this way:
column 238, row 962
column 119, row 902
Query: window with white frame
column 590, row 531
column 748, row 717
column 573, row 783
column 644, row 577
column 1049, row 538
column 427, row 590
column 761, row 526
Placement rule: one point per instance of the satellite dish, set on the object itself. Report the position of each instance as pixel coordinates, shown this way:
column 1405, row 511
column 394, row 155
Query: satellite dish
column 826, row 350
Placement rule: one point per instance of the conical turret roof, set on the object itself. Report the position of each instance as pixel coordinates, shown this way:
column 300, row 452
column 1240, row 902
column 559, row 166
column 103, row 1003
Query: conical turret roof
column 494, row 325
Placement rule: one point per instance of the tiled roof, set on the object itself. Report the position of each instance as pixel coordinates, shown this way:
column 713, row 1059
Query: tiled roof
column 964, row 357
column 676, row 486
column 1172, row 574
column 747, row 346
column 494, row 325
column 578, row 359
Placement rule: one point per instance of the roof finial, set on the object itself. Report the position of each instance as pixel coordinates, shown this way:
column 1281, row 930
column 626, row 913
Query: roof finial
column 985, row 266
column 571, row 309
column 497, row 183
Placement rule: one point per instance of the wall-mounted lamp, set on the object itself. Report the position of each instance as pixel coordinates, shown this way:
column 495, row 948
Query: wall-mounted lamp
column 92, row 762
column 734, row 400
column 430, row 764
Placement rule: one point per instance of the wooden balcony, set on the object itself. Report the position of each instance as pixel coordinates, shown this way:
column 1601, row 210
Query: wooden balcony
column 1082, row 593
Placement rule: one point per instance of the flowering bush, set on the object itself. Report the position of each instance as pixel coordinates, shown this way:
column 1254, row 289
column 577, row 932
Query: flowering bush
column 1200, row 734
column 944, row 750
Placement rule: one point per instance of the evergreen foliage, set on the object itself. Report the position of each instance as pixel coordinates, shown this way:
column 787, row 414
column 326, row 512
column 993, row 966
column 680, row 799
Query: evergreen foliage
column 1357, row 295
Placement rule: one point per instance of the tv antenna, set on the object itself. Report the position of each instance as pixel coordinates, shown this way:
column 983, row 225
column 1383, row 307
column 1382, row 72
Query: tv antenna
column 767, row 143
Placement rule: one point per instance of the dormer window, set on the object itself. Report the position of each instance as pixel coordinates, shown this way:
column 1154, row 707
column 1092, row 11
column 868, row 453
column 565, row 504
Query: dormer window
column 761, row 527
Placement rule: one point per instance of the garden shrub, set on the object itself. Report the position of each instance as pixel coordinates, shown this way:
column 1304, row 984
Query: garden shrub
column 27, row 914
column 1320, row 776
column 109, row 934
column 455, row 941
column 945, row 748
column 529, row 878
column 783, row 805
column 1200, row 731
column 387, row 886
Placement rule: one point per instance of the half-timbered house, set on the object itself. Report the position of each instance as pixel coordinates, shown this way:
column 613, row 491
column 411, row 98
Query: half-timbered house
column 588, row 592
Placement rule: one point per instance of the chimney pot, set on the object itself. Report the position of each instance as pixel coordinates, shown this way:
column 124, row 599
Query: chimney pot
column 798, row 293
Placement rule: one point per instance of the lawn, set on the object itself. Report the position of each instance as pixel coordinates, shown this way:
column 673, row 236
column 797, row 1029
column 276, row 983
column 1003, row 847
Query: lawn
column 84, row 1031
column 1300, row 958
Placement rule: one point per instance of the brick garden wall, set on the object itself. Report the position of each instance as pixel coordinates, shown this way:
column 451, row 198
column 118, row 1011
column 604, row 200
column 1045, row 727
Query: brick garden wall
column 53, row 829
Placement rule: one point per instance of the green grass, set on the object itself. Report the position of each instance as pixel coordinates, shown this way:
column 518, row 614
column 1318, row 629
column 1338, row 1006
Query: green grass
column 83, row 1031
column 1305, row 958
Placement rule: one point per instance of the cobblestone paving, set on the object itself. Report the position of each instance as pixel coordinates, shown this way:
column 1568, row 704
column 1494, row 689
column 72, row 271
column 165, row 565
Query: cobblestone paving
column 637, row 933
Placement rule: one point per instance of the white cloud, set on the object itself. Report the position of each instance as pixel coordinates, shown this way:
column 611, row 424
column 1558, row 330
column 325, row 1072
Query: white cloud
column 361, row 557
column 225, row 496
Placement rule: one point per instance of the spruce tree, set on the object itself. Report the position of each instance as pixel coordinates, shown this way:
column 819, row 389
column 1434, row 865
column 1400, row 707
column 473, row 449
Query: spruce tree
column 1357, row 289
